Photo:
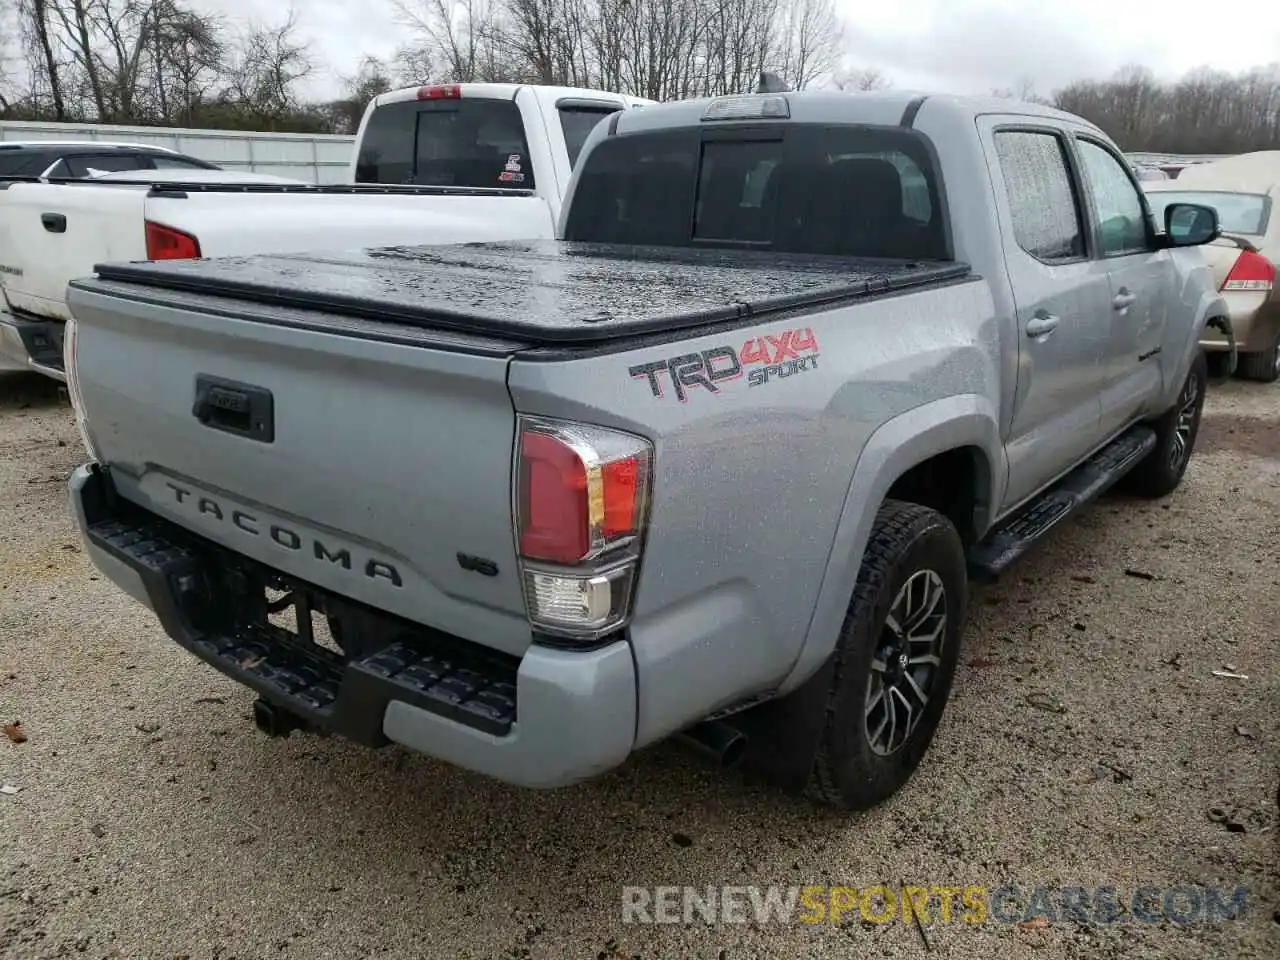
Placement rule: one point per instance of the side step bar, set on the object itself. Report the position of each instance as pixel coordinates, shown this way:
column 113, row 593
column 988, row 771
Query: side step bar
column 1016, row 535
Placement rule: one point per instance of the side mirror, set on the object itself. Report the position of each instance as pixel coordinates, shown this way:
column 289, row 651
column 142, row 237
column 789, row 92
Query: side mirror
column 1190, row 224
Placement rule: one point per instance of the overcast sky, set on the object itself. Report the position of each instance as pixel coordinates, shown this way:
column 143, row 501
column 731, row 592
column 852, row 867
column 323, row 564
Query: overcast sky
column 966, row 46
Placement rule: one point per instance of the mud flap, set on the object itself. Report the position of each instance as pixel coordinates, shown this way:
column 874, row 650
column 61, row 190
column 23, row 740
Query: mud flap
column 783, row 734
column 1223, row 325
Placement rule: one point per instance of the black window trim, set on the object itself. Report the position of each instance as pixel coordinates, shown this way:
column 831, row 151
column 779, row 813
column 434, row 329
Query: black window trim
column 1078, row 193
column 1095, row 223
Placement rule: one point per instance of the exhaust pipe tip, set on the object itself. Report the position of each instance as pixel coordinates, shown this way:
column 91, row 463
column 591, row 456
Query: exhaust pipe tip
column 725, row 745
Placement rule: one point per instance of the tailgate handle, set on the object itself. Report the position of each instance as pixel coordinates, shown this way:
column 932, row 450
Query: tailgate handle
column 54, row 222
column 240, row 409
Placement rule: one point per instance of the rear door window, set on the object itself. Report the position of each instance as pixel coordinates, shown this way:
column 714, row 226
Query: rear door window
column 1042, row 201
column 446, row 143
column 799, row 188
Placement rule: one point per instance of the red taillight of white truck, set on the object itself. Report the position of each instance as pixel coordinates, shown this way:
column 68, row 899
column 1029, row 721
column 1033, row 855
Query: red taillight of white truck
column 1251, row 272
column 581, row 508
column 168, row 243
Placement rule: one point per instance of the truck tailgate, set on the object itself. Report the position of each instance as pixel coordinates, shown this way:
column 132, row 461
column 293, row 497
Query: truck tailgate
column 372, row 468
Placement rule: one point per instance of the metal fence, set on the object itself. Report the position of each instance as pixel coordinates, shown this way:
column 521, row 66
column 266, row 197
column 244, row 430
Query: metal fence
column 315, row 157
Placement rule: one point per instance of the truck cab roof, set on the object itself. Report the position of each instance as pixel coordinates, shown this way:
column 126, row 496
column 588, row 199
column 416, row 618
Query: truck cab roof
column 889, row 107
column 506, row 91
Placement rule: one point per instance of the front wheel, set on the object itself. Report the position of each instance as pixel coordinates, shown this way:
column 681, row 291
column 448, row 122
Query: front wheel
column 1162, row 469
column 894, row 660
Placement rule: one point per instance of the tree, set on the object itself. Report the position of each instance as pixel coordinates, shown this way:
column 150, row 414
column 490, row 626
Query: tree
column 663, row 51
column 188, row 56
column 867, row 78
column 809, row 37
column 1206, row 111
column 372, row 78
column 1024, row 89
column 267, row 64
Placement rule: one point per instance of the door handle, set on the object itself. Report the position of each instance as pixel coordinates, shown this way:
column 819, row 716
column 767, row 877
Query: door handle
column 54, row 222
column 1124, row 300
column 1041, row 325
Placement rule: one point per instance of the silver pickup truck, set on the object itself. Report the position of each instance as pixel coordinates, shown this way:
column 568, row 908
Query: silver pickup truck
column 718, row 463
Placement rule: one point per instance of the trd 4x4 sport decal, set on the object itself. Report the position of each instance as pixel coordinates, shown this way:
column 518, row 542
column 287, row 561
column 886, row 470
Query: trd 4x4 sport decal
column 763, row 359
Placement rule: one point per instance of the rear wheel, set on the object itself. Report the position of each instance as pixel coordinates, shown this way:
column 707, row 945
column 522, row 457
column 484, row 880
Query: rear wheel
column 895, row 659
column 1176, row 430
column 1263, row 366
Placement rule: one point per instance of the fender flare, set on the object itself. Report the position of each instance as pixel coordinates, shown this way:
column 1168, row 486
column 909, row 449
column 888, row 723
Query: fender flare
column 1211, row 311
column 966, row 420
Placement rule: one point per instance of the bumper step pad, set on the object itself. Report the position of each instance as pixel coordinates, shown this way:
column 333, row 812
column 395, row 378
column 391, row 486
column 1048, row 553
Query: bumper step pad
column 418, row 666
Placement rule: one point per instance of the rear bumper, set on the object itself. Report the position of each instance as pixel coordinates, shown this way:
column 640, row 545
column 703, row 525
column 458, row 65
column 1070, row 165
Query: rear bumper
column 548, row 719
column 34, row 345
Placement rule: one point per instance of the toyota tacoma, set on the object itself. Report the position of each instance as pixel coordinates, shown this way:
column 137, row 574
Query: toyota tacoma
column 719, row 461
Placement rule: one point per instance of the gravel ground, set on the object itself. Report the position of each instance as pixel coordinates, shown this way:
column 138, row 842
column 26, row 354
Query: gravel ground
column 154, row 821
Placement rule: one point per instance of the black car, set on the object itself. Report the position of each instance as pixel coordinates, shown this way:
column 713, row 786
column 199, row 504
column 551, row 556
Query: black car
column 62, row 159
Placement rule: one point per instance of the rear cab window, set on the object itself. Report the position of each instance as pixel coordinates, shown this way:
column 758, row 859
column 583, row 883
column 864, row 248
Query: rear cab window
column 465, row 142
column 790, row 188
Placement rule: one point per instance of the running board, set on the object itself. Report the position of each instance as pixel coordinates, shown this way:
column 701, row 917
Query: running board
column 1013, row 537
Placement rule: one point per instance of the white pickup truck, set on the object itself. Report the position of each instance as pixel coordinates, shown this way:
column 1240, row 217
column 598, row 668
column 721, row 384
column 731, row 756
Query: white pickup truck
column 450, row 163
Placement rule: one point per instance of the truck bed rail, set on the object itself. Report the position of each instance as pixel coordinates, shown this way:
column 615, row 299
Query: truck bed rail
column 173, row 188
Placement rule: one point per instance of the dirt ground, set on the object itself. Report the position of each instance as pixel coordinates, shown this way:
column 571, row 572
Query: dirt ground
column 1086, row 744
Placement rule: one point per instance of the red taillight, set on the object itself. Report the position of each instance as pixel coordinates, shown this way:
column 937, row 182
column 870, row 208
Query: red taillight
column 623, row 497
column 1251, row 271
column 446, row 91
column 166, row 243
column 554, row 512
column 581, row 490
column 581, row 499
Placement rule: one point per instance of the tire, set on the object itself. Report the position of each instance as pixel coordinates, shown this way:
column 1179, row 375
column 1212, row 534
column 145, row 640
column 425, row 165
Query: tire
column 1162, row 469
column 1263, row 366
column 909, row 545
column 1217, row 362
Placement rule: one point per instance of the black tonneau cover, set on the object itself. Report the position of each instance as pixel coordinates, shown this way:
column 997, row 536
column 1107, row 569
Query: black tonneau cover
column 540, row 291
